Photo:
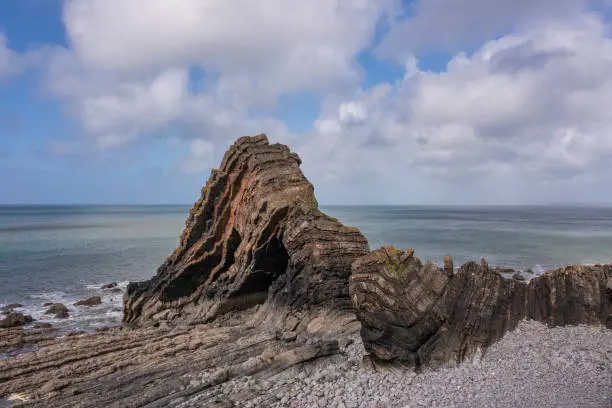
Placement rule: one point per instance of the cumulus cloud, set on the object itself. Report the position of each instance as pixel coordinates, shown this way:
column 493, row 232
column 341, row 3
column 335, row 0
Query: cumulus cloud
column 446, row 25
column 529, row 106
column 201, row 154
column 9, row 60
column 522, row 102
column 136, row 77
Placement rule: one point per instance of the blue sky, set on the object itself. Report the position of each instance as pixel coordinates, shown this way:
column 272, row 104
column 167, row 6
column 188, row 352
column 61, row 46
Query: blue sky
column 387, row 102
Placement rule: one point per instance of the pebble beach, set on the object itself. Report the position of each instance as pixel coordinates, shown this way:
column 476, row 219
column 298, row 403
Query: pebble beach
column 533, row 366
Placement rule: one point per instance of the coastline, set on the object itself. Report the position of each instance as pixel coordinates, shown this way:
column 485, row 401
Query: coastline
column 268, row 301
column 238, row 365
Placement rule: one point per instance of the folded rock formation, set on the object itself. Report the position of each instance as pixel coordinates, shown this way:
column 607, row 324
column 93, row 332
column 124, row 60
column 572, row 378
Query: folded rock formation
column 420, row 314
column 256, row 240
column 256, row 235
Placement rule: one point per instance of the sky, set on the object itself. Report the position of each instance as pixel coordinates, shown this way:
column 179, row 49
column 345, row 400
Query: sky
column 386, row 101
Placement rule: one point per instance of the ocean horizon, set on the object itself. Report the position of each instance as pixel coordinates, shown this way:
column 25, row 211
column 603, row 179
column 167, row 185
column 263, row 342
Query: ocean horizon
column 64, row 253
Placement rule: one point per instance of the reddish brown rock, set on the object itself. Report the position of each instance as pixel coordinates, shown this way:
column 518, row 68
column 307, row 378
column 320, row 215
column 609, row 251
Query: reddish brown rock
column 449, row 268
column 256, row 235
column 418, row 314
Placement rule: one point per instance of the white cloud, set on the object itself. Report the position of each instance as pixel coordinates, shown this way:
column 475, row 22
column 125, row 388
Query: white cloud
column 509, row 116
column 201, row 156
column 449, row 25
column 10, row 62
column 14, row 63
column 137, row 107
column 275, row 41
column 135, row 78
column 526, row 109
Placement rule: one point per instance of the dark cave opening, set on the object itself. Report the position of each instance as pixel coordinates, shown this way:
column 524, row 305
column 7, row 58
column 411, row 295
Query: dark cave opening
column 270, row 262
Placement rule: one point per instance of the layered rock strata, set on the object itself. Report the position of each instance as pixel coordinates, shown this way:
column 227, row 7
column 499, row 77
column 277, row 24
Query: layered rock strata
column 255, row 235
column 146, row 367
column 421, row 314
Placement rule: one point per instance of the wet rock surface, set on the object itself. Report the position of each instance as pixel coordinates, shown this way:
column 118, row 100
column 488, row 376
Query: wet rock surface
column 418, row 314
column 14, row 319
column 10, row 307
column 90, row 301
column 59, row 310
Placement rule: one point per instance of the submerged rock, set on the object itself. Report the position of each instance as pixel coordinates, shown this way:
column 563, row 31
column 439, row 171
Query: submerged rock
column 90, row 301
column 417, row 314
column 59, row 310
column 109, row 285
column 256, row 235
column 14, row 319
column 10, row 307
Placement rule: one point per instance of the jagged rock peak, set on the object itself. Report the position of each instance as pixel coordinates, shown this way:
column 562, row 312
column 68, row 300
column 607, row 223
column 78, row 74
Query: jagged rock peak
column 255, row 235
column 420, row 314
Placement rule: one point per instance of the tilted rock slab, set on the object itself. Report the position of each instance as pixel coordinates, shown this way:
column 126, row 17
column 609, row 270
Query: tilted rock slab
column 256, row 235
column 421, row 314
column 145, row 367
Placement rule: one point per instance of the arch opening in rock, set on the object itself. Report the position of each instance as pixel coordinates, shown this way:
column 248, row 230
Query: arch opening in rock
column 269, row 264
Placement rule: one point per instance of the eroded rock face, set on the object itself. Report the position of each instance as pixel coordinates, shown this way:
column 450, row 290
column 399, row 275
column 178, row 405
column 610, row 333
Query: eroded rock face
column 256, row 235
column 420, row 314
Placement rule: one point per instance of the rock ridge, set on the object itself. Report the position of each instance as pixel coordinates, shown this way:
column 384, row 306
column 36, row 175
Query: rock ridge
column 255, row 236
column 419, row 314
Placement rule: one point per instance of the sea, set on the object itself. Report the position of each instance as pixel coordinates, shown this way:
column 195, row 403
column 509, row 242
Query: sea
column 66, row 253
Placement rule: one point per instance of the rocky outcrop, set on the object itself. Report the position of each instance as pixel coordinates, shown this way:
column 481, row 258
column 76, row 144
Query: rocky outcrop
column 14, row 319
column 146, row 367
column 420, row 314
column 109, row 285
column 90, row 301
column 255, row 235
column 59, row 310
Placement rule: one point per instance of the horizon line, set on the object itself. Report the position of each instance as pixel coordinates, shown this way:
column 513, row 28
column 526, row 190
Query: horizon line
column 553, row 204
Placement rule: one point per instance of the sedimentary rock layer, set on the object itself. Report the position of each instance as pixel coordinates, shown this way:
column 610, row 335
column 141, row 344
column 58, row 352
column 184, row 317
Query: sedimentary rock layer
column 422, row 314
column 146, row 367
column 256, row 235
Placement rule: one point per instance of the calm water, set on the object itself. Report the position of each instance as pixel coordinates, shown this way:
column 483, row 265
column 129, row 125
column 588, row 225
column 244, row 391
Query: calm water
column 64, row 253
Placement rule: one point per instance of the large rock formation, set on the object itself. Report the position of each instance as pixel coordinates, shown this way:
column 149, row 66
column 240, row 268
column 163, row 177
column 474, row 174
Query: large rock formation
column 256, row 235
column 422, row 314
